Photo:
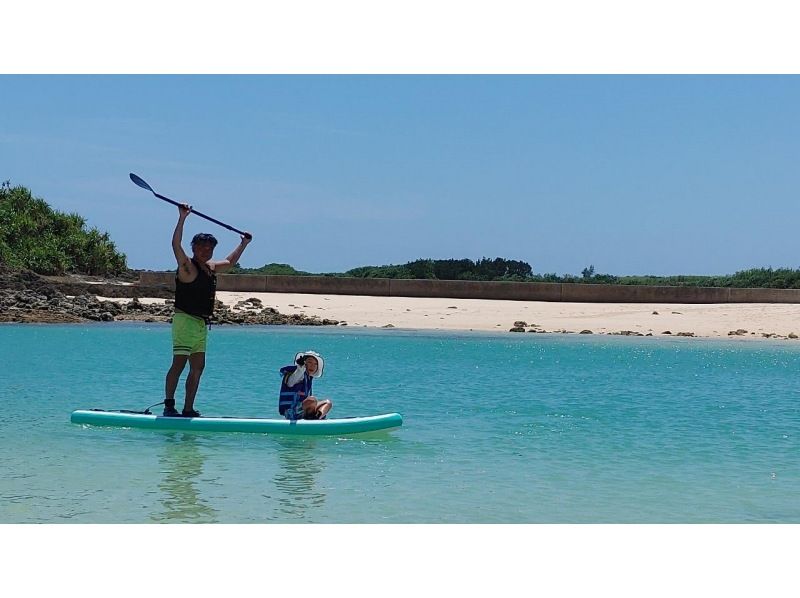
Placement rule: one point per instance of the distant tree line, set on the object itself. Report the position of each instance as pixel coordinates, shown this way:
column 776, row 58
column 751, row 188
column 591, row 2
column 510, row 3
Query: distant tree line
column 466, row 269
column 33, row 236
column 514, row 270
column 270, row 270
column 755, row 278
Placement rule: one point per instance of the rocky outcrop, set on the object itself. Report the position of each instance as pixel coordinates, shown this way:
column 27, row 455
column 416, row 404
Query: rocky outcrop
column 28, row 297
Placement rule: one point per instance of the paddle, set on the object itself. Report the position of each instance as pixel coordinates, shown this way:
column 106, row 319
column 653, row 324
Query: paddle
column 143, row 184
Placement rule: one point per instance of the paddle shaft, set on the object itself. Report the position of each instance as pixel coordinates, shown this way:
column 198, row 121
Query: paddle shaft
column 214, row 220
column 139, row 181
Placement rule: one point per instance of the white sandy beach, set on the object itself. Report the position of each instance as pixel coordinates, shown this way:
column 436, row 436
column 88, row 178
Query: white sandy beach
column 700, row 320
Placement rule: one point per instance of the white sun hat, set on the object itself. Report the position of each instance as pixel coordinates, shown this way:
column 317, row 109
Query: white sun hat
column 315, row 355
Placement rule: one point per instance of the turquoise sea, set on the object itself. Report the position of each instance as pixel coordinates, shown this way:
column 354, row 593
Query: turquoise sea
column 499, row 428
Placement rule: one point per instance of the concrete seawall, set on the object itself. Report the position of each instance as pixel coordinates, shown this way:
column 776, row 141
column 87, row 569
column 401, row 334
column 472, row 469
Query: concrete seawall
column 462, row 289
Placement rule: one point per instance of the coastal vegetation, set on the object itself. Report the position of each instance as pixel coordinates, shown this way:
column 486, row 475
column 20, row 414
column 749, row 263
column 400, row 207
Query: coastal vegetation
column 270, row 270
column 35, row 237
column 465, row 269
column 500, row 269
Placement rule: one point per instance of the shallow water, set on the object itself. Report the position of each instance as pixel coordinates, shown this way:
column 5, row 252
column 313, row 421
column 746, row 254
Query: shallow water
column 497, row 429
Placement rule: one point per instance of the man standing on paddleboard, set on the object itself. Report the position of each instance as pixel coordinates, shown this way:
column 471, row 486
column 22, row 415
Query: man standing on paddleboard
column 195, row 287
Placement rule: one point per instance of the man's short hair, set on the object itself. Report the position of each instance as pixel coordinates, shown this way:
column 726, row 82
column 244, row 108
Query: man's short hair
column 204, row 238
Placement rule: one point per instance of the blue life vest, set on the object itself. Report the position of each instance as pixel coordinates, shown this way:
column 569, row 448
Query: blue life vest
column 289, row 402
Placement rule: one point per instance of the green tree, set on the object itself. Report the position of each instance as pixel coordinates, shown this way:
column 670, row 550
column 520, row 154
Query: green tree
column 36, row 237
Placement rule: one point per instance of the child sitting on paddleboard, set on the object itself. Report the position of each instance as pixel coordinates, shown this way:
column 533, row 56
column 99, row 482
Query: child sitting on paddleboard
column 296, row 400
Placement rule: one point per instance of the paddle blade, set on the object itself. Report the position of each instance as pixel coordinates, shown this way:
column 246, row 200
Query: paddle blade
column 141, row 182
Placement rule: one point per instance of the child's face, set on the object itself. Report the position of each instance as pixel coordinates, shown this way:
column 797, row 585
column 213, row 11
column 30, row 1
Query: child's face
column 311, row 364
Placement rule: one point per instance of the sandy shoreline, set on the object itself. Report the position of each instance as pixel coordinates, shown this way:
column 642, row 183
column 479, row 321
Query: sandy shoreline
column 27, row 297
column 752, row 320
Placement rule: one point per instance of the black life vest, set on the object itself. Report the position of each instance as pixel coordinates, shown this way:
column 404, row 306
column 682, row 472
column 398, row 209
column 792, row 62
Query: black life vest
column 196, row 298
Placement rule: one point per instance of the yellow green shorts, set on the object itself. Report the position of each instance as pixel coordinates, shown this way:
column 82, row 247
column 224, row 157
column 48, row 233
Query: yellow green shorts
column 189, row 334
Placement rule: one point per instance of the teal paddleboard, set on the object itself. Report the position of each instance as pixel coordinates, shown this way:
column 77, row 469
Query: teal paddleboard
column 324, row 427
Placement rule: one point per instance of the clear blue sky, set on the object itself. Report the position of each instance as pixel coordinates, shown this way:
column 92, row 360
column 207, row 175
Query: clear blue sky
column 632, row 174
